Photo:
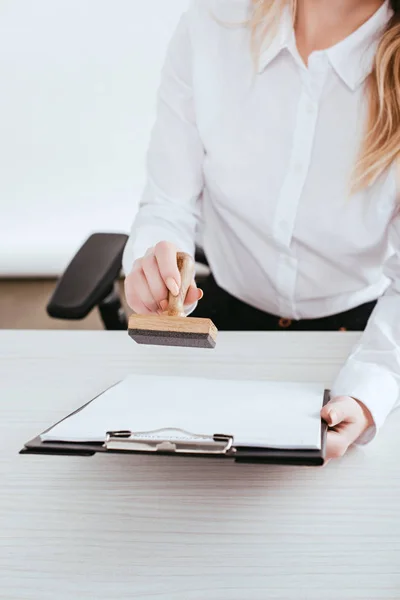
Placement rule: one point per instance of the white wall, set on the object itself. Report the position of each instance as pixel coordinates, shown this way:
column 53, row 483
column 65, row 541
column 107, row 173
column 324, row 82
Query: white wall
column 78, row 82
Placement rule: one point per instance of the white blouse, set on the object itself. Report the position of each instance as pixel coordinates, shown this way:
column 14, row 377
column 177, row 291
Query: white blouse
column 255, row 163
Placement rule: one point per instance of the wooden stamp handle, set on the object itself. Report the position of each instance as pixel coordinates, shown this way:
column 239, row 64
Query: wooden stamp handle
column 186, row 268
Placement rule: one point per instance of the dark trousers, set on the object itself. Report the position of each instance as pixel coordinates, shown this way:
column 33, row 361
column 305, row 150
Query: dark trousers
column 230, row 314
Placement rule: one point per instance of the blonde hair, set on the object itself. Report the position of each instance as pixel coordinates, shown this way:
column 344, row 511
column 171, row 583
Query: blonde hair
column 381, row 143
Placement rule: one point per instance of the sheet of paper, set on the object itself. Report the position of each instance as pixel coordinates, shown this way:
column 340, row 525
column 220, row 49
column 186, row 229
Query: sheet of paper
column 257, row 413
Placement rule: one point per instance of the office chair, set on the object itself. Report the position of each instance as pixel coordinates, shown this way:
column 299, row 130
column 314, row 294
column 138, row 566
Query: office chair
column 91, row 281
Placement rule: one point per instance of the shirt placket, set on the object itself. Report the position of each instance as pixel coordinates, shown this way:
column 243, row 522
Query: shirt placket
column 290, row 195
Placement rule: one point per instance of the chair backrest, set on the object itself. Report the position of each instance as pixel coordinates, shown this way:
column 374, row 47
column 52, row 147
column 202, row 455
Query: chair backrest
column 80, row 78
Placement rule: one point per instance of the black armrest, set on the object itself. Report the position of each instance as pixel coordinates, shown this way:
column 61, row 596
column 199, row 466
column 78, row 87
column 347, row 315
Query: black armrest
column 89, row 278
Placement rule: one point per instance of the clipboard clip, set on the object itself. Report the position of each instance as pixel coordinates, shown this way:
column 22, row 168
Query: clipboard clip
column 171, row 441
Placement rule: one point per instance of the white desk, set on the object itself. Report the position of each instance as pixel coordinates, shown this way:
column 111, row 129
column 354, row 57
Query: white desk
column 119, row 527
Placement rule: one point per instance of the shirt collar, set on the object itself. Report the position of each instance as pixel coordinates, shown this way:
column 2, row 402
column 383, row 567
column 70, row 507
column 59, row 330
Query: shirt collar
column 283, row 38
column 352, row 58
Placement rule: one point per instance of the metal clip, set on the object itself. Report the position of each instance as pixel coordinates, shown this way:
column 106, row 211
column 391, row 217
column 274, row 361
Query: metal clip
column 173, row 441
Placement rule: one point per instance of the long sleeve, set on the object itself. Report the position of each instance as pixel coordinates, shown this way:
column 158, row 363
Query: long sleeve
column 168, row 207
column 372, row 371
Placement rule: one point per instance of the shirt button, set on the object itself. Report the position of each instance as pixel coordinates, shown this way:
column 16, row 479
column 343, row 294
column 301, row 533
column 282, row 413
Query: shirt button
column 285, row 323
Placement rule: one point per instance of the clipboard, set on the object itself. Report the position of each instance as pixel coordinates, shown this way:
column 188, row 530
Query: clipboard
column 179, row 443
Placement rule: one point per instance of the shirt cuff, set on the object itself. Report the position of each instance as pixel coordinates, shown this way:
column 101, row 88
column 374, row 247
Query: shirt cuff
column 373, row 386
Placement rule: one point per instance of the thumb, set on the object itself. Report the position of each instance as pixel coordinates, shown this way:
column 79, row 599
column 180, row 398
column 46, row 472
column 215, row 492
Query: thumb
column 334, row 412
column 194, row 294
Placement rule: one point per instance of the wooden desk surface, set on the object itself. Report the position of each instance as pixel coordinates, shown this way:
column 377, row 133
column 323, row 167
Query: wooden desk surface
column 123, row 527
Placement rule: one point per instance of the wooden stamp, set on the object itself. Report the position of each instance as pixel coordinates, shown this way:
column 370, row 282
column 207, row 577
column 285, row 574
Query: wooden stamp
column 174, row 329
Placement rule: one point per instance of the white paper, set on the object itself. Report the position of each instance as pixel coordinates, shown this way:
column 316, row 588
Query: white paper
column 255, row 413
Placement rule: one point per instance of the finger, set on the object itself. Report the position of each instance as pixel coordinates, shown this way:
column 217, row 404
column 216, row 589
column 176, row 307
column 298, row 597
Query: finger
column 140, row 309
column 193, row 295
column 165, row 254
column 164, row 305
column 132, row 297
column 142, row 293
column 338, row 409
column 336, row 445
column 342, row 437
column 157, row 287
column 331, row 415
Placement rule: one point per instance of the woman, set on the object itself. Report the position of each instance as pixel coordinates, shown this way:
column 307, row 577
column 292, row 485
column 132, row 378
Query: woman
column 276, row 141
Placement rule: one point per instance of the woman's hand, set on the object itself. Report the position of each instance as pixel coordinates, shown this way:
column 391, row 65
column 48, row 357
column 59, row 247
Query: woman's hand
column 152, row 278
column 347, row 419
